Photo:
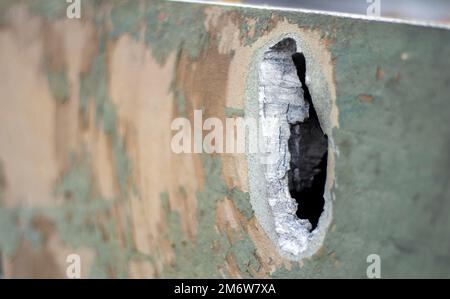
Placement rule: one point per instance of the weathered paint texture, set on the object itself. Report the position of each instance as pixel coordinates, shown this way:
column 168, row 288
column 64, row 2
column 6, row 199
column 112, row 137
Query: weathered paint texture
column 85, row 159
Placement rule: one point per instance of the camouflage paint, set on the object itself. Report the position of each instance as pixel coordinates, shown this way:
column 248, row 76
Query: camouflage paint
column 393, row 190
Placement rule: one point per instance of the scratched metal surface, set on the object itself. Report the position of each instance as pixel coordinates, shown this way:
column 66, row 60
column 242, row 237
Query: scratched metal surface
column 163, row 216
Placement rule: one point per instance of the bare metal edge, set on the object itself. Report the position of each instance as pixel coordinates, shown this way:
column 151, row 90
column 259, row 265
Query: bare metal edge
column 326, row 13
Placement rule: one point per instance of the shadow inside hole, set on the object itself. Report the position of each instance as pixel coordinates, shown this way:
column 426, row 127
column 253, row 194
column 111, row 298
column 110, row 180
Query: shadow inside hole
column 308, row 146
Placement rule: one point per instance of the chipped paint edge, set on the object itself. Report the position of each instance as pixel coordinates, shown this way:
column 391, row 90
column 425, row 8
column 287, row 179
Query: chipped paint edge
column 320, row 79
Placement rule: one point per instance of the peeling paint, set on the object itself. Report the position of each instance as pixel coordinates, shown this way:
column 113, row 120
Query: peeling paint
column 242, row 201
column 190, row 254
column 59, row 85
column 230, row 112
column 78, row 222
column 389, row 133
column 94, row 88
column 163, row 37
column 260, row 26
column 2, row 182
column 9, row 232
column 126, row 18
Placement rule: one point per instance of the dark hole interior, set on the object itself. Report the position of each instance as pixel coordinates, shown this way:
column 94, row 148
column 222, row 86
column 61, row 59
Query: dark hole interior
column 308, row 146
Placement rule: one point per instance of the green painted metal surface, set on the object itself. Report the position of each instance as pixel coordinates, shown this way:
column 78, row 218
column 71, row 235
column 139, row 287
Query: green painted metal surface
column 392, row 196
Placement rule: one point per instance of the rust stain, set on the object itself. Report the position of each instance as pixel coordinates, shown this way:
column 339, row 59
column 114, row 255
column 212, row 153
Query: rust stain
column 365, row 98
column 379, row 74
